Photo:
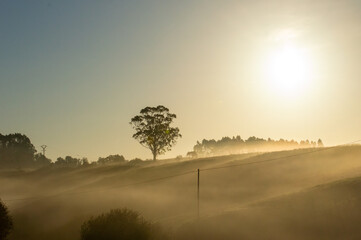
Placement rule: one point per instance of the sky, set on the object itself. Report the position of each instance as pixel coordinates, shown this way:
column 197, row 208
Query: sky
column 73, row 73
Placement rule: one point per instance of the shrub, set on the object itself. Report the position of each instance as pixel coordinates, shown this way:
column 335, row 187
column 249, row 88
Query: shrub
column 119, row 224
column 6, row 223
column 136, row 162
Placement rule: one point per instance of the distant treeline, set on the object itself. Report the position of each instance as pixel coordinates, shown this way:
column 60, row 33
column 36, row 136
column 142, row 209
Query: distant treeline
column 17, row 151
column 237, row 145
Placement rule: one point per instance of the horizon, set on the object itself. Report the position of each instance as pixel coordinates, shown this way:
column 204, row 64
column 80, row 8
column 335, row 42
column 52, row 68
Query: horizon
column 73, row 74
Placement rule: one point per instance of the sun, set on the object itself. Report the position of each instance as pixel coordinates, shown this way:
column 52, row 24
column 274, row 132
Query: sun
column 288, row 70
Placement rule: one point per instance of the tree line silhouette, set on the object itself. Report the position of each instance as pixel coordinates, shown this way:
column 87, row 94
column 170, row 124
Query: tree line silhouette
column 236, row 145
column 153, row 131
column 17, row 151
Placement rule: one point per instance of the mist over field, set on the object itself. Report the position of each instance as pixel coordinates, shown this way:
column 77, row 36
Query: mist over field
column 298, row 194
column 180, row 120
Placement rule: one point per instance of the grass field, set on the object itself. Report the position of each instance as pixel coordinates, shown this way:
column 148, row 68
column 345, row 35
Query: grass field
column 310, row 195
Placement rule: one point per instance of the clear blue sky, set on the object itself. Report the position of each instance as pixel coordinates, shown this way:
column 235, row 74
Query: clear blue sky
column 73, row 73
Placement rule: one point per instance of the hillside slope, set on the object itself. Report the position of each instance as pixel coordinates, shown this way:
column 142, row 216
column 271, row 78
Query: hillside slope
column 329, row 211
column 233, row 189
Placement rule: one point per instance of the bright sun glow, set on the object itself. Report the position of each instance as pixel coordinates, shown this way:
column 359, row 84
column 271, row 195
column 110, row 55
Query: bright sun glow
column 288, row 70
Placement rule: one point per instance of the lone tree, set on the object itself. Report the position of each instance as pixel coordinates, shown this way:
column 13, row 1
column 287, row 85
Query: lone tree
column 153, row 129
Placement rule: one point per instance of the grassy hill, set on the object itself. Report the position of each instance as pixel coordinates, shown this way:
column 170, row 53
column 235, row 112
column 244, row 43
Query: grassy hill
column 299, row 194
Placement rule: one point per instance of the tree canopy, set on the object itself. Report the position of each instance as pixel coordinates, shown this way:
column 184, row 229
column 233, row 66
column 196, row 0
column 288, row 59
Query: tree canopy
column 16, row 150
column 153, row 129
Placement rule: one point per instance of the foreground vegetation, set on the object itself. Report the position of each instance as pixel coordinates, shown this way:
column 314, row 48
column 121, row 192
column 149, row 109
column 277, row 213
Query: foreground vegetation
column 6, row 223
column 122, row 224
column 312, row 195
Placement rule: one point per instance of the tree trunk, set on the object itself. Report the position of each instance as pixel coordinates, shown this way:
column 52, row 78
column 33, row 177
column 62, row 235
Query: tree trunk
column 154, row 156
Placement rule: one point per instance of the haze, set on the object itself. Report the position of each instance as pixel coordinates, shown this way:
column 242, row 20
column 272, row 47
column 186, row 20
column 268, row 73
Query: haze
column 180, row 119
column 73, row 73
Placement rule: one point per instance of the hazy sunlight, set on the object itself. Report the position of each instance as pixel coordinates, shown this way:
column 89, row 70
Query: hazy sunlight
column 288, row 70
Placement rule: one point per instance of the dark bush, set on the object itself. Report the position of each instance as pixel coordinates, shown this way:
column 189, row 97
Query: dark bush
column 120, row 224
column 112, row 159
column 6, row 223
column 136, row 162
